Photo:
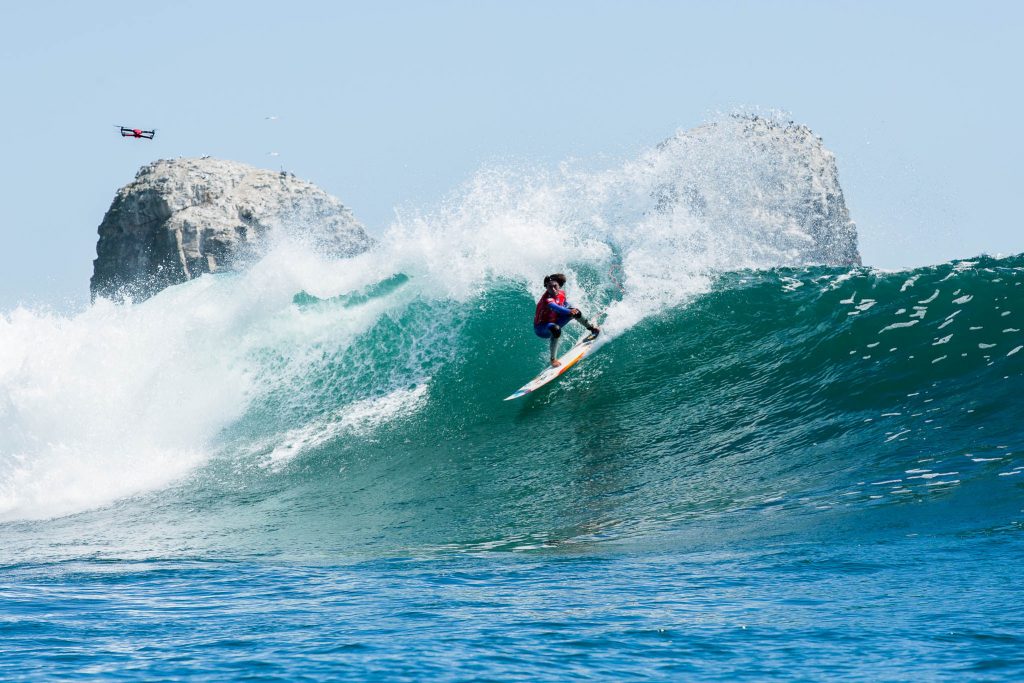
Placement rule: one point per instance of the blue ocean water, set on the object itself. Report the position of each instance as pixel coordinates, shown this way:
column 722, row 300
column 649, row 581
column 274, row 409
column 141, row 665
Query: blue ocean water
column 306, row 471
column 905, row 608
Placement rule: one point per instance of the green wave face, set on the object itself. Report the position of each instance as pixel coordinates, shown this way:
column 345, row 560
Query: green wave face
column 780, row 401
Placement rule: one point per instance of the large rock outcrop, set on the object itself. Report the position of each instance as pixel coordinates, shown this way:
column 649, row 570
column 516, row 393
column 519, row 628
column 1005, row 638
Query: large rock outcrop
column 767, row 187
column 184, row 217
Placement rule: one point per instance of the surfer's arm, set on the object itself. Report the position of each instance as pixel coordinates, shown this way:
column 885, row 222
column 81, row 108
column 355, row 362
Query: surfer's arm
column 559, row 309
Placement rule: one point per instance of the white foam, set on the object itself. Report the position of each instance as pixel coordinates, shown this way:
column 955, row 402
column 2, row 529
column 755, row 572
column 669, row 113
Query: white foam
column 112, row 401
column 357, row 418
column 122, row 399
column 895, row 326
column 932, row 475
column 909, row 283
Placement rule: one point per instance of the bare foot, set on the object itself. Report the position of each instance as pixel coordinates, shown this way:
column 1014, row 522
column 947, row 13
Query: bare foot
column 555, row 362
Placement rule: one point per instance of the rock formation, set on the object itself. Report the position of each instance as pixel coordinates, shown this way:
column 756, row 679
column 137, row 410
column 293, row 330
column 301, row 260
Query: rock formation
column 767, row 185
column 181, row 218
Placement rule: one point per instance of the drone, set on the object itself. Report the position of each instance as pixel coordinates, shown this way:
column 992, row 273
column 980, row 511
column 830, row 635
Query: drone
column 137, row 133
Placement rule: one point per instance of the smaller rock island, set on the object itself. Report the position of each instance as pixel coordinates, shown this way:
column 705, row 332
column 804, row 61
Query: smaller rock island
column 181, row 218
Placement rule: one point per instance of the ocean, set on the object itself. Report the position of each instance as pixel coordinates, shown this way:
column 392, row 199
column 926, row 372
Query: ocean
column 767, row 469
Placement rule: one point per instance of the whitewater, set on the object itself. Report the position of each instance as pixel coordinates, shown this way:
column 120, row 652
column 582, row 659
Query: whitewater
column 305, row 470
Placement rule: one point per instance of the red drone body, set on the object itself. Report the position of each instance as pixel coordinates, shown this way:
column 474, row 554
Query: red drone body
column 137, row 133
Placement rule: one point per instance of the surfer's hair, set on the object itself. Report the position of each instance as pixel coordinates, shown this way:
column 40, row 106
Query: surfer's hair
column 555, row 277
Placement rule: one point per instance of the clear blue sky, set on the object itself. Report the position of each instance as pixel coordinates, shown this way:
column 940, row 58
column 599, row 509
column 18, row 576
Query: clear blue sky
column 387, row 104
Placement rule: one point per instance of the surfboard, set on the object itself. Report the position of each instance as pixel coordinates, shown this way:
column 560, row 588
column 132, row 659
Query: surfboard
column 571, row 358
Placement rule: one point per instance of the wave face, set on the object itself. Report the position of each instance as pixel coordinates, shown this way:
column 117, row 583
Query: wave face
column 781, row 401
column 356, row 405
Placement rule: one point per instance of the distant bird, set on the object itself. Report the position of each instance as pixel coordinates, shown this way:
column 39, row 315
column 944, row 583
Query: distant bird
column 270, row 118
column 273, row 154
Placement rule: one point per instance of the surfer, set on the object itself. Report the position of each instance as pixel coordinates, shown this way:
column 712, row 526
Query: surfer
column 553, row 312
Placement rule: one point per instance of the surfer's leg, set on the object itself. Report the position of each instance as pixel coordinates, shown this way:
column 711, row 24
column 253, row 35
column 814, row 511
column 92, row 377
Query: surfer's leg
column 550, row 331
column 594, row 329
column 556, row 335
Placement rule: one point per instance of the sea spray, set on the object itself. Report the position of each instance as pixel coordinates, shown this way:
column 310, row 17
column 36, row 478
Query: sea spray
column 112, row 401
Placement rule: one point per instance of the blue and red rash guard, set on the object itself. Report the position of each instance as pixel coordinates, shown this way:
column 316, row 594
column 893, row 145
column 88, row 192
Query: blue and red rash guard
column 551, row 309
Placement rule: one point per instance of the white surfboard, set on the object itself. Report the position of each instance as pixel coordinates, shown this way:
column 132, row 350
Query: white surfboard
column 571, row 358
